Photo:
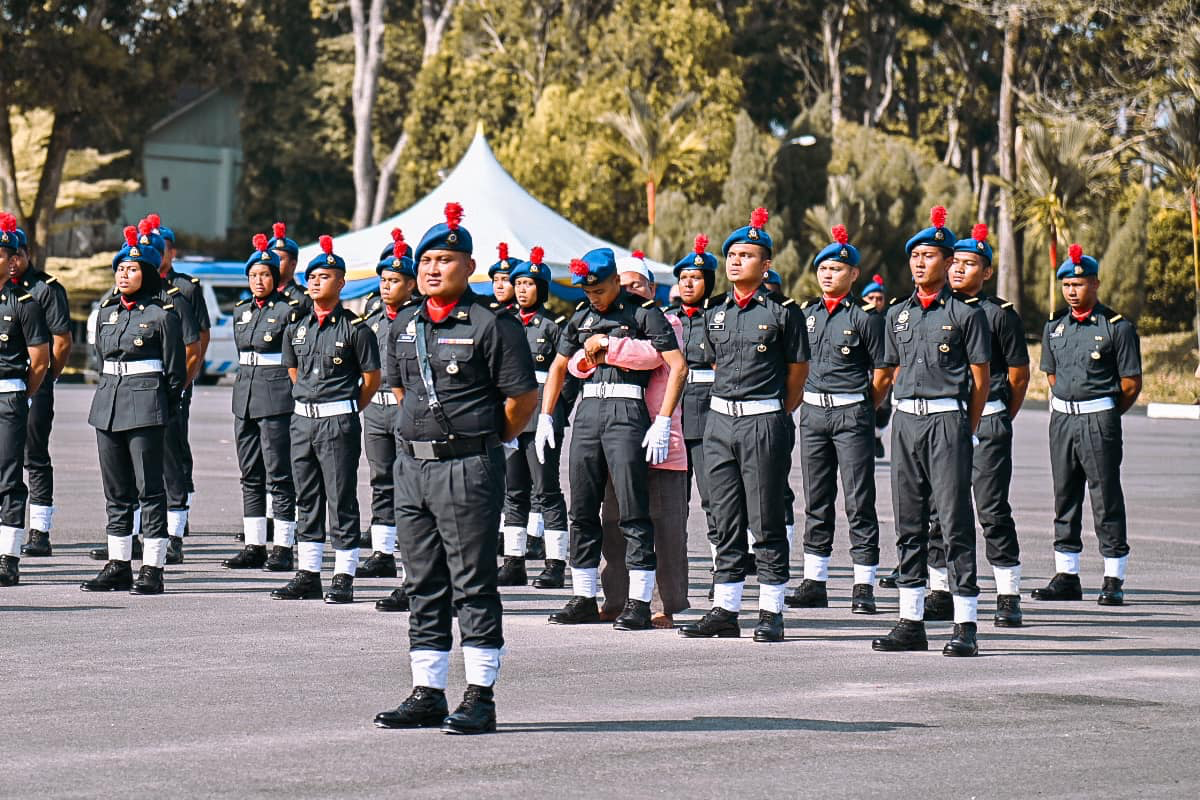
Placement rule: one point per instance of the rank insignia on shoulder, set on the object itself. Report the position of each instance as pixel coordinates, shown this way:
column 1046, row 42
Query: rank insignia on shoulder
column 195, row 280
column 867, row 306
column 293, row 302
column 971, row 300
column 1006, row 305
column 242, row 302
column 788, row 302
column 648, row 304
column 582, row 303
column 560, row 320
column 357, row 321
column 462, row 314
column 169, row 306
column 894, row 300
column 25, row 297
column 173, row 290
column 51, row 279
column 1113, row 318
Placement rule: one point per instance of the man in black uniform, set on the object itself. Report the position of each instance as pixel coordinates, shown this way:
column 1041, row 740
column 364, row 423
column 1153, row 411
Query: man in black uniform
column 372, row 300
column 288, row 251
column 397, row 280
column 52, row 297
column 991, row 464
column 837, row 426
column 1093, row 359
column 502, row 287
column 24, row 361
column 875, row 302
column 612, row 430
column 333, row 360
column 760, row 359
column 142, row 377
column 941, row 346
column 464, row 379
column 262, row 415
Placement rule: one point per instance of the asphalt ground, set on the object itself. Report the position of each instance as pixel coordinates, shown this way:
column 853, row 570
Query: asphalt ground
column 214, row 690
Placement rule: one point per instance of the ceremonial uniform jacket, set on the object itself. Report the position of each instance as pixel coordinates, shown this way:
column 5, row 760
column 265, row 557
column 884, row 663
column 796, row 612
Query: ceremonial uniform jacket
column 22, row 325
column 1008, row 343
column 752, row 347
column 1089, row 358
column 846, row 345
column 934, row 348
column 628, row 316
column 330, row 357
column 696, row 394
column 263, row 389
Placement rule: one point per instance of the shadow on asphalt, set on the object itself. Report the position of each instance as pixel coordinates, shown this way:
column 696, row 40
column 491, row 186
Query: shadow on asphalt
column 709, row 725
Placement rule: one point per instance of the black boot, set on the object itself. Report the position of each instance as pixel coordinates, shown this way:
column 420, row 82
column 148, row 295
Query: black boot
column 10, row 574
column 939, row 606
column 379, row 565
column 634, row 617
column 117, row 576
column 889, row 581
column 717, row 623
column 174, row 550
column 769, row 628
column 1112, row 594
column 101, row 553
column 809, row 594
column 475, row 714
column 553, row 575
column 907, row 635
column 1008, row 611
column 38, row 545
column 577, row 611
column 1063, row 586
column 512, row 573
column 149, row 581
column 863, row 599
column 341, row 589
column 424, row 708
column 963, row 643
column 280, row 560
column 396, row 601
column 253, row 556
column 304, row 586
column 535, row 548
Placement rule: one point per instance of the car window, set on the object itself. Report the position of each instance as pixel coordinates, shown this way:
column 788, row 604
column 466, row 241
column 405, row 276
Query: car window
column 228, row 297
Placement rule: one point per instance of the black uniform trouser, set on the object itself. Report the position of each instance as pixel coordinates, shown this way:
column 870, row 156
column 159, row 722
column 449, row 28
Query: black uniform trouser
column 131, row 471
column 265, row 458
column 748, row 460
column 379, row 440
column 185, row 452
column 325, row 455
column 14, row 416
column 176, row 457
column 832, row 440
column 446, row 525
column 789, row 496
column 37, row 445
column 533, row 486
column 931, row 468
column 606, row 443
column 698, row 471
column 1087, row 449
column 991, row 474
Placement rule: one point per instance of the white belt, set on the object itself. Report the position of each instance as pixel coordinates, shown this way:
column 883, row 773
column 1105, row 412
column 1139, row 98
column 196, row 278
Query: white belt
column 132, row 367
column 384, row 398
column 541, row 375
column 11, row 385
column 249, row 358
column 833, row 400
column 333, row 409
column 701, row 376
column 744, row 408
column 938, row 405
column 1083, row 406
column 625, row 391
column 993, row 407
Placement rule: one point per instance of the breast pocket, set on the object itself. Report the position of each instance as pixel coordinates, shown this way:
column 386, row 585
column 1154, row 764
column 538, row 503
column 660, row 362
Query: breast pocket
column 845, row 345
column 144, row 397
column 141, row 342
column 948, row 346
column 455, row 362
column 405, row 353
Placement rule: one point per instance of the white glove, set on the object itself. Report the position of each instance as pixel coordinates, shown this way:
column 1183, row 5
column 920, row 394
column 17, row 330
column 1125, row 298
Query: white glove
column 658, row 440
column 512, row 444
column 544, row 437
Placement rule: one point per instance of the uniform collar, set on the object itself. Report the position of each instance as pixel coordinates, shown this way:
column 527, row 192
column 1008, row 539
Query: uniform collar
column 759, row 296
column 334, row 315
column 462, row 309
column 942, row 296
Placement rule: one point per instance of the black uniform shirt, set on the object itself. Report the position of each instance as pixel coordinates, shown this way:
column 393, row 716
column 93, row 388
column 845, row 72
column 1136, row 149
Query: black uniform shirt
column 934, row 348
column 192, row 290
column 845, row 345
column 173, row 300
column 294, row 291
column 329, row 357
column 52, row 297
column 377, row 319
column 1089, row 358
column 477, row 359
column 542, row 334
column 694, row 403
column 22, row 325
column 1008, row 342
column 752, row 347
column 628, row 316
column 262, row 390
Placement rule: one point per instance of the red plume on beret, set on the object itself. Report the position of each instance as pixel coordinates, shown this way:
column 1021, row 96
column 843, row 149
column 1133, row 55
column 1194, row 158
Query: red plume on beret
column 155, row 221
column 454, row 215
column 8, row 223
column 327, row 244
column 280, row 230
column 536, row 255
column 1076, row 253
column 937, row 215
column 144, row 226
column 637, row 254
column 397, row 235
column 758, row 218
column 579, row 267
column 980, row 232
column 877, row 279
column 840, row 234
column 130, row 235
column 397, row 243
column 260, row 242
column 502, row 249
column 701, row 244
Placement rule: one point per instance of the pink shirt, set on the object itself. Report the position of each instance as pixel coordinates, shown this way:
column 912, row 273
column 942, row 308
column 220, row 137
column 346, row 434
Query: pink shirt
column 640, row 354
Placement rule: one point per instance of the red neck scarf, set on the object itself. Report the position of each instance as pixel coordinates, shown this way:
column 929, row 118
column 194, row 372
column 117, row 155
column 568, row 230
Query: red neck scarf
column 438, row 309
column 742, row 302
column 832, row 302
column 927, row 299
column 1081, row 316
column 391, row 312
column 527, row 316
column 127, row 303
column 260, row 303
column 321, row 315
column 691, row 311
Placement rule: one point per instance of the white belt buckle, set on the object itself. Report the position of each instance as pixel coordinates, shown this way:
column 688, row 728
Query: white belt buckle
column 601, row 391
column 735, row 408
column 1072, row 407
column 310, row 410
column 826, row 400
column 922, row 406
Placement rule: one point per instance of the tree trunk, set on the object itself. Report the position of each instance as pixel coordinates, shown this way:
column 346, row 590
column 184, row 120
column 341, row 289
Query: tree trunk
column 1009, row 273
column 1195, row 261
column 1053, row 270
column 386, row 173
column 912, row 95
column 49, row 182
column 10, row 195
column 832, row 30
column 368, row 59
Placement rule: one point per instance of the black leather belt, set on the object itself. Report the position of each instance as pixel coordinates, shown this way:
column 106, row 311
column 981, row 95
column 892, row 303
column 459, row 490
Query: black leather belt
column 454, row 448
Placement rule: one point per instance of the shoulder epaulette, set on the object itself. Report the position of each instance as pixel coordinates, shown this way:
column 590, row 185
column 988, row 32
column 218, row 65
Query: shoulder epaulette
column 649, row 304
column 51, row 279
column 169, row 306
column 242, row 302
column 369, row 296
column 970, row 300
column 867, row 306
column 293, row 316
column 1113, row 318
column 788, row 301
column 895, row 300
column 560, row 320
column 358, row 320
column 194, row 280
column 1062, row 312
column 173, row 290
column 582, row 303
column 24, row 297
column 293, row 302
column 707, row 301
column 812, row 301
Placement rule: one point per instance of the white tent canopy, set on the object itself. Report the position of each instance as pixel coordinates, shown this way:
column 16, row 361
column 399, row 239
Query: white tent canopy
column 496, row 209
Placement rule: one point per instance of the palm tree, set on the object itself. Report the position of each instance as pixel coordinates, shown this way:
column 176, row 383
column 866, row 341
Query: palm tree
column 655, row 145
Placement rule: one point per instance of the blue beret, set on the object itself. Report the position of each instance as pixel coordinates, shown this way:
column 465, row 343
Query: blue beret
column 1078, row 265
column 390, row 250
column 751, row 234
column 264, row 256
column 772, row 277
column 937, row 235
column 976, row 244
column 838, row 250
column 166, row 233
column 876, row 285
column 11, row 240
column 280, row 241
column 22, row 239
column 402, row 264
column 327, row 259
column 699, row 258
column 503, row 265
column 147, row 256
column 153, row 240
column 448, row 235
column 595, row 266
column 534, row 268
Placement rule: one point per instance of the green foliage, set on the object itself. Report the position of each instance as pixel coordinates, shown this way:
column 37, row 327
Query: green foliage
column 1124, row 261
column 1170, row 293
